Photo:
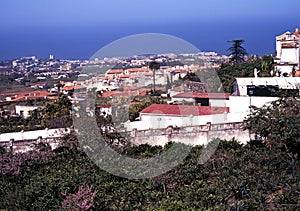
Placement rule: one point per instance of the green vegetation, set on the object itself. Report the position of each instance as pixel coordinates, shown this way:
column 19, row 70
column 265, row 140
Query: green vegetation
column 261, row 175
column 229, row 71
column 236, row 178
column 55, row 114
column 58, row 113
column 135, row 108
column 17, row 124
column 277, row 124
column 237, row 51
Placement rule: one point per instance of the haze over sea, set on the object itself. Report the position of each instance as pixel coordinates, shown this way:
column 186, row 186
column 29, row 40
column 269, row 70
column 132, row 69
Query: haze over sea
column 71, row 29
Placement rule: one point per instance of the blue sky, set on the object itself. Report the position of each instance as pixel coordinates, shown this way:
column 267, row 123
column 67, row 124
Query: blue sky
column 76, row 28
column 36, row 13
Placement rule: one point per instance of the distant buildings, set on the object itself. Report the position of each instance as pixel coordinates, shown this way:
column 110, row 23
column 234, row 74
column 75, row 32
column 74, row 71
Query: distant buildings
column 33, row 95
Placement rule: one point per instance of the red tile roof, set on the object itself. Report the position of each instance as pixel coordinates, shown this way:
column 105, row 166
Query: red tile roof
column 114, row 71
column 130, row 88
column 69, row 88
column 30, row 95
column 178, row 88
column 183, row 110
column 135, row 70
column 128, row 76
column 202, row 95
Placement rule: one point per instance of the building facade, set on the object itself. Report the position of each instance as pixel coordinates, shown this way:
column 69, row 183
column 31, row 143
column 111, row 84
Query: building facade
column 287, row 53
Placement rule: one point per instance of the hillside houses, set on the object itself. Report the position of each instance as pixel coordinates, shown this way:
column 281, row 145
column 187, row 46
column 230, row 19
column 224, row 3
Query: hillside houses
column 30, row 95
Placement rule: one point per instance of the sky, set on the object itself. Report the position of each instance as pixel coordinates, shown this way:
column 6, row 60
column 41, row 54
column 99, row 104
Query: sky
column 76, row 29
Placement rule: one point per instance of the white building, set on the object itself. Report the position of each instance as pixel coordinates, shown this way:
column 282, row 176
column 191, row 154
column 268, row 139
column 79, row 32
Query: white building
column 24, row 111
column 240, row 86
column 228, row 109
column 104, row 110
column 201, row 99
column 287, row 53
column 162, row 115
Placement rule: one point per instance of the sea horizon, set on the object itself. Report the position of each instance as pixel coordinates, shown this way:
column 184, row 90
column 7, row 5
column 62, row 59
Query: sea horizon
column 82, row 41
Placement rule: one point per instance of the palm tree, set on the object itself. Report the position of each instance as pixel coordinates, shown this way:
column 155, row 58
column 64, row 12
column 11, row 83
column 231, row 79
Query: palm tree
column 153, row 67
column 237, row 51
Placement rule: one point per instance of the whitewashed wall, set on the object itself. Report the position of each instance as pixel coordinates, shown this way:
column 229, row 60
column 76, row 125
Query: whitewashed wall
column 240, row 104
column 25, row 109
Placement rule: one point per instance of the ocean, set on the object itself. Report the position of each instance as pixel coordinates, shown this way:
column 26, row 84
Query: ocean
column 82, row 41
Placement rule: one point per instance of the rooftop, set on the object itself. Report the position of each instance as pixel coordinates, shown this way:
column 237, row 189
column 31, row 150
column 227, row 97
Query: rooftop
column 202, row 95
column 69, row 88
column 183, row 110
column 114, row 71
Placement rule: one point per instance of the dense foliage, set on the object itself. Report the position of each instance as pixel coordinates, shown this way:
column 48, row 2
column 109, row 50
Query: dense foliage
column 236, row 178
column 230, row 71
column 57, row 114
column 277, row 124
column 264, row 174
column 136, row 107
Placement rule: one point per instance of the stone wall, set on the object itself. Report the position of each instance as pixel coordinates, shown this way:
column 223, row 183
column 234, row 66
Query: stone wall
column 193, row 135
column 27, row 145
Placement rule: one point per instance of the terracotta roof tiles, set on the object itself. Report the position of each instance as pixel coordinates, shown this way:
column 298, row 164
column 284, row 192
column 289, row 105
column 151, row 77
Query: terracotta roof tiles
column 183, row 110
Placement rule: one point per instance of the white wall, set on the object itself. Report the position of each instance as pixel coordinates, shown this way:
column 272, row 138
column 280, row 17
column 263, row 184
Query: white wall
column 180, row 99
column 25, row 109
column 218, row 102
column 290, row 55
column 35, row 134
column 238, row 111
column 240, row 104
column 107, row 111
column 163, row 121
column 284, row 69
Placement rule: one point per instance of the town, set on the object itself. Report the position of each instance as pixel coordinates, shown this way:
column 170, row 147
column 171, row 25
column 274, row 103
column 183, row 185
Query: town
column 149, row 105
column 157, row 93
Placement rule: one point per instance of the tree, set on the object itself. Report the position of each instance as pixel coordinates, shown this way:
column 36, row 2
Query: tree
column 236, row 177
column 168, row 85
column 136, row 108
column 277, row 124
column 267, row 66
column 237, row 51
column 59, row 86
column 57, row 114
column 153, row 67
